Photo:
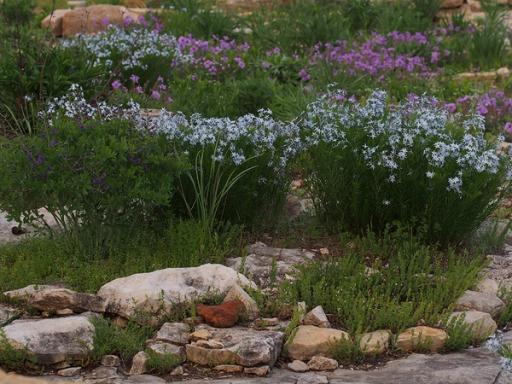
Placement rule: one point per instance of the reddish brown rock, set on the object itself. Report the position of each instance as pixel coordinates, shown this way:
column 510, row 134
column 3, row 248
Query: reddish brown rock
column 224, row 315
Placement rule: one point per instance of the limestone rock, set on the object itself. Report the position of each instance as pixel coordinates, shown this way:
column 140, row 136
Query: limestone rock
column 298, row 366
column 488, row 286
column 321, row 363
column 150, row 291
column 209, row 344
column 251, row 307
column 178, row 371
column 224, row 315
column 27, row 292
column 7, row 314
column 176, row 333
column 309, row 341
column 94, row 18
column 200, row 334
column 110, row 361
column 139, row 363
column 53, row 21
column 242, row 346
column 478, row 301
column 261, row 259
column 481, row 324
column 55, row 299
column 375, row 343
column 69, row 372
column 257, row 371
column 316, row 317
column 53, row 340
column 311, row 378
column 265, row 322
column 420, row 338
column 167, row 348
column 447, row 4
column 229, row 368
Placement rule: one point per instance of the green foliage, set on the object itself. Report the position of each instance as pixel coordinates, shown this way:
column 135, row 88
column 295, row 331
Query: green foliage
column 161, row 363
column 109, row 339
column 505, row 317
column 98, row 180
column 42, row 260
column 460, row 335
column 407, row 282
column 488, row 43
column 347, row 351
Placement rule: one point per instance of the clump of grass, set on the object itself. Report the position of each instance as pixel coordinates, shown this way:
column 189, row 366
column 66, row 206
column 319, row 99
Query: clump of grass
column 347, row 351
column 408, row 283
column 459, row 334
column 110, row 339
column 506, row 315
column 161, row 363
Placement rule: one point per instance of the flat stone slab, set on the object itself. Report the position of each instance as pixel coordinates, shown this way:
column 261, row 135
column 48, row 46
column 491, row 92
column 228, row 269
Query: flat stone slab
column 474, row 366
column 53, row 340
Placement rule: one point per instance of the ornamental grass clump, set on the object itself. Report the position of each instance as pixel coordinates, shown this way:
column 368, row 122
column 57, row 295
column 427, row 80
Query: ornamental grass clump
column 370, row 164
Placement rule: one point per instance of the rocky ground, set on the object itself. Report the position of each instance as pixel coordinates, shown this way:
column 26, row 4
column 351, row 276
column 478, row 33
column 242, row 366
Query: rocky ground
column 214, row 347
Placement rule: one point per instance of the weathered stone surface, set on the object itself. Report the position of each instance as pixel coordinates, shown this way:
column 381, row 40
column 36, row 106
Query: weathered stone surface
column 451, row 4
column 229, row 368
column 69, row 372
column 209, row 344
column 149, row 291
column 176, row 333
column 168, row 348
column 488, row 286
column 298, row 366
column 251, row 307
column 420, row 338
column 321, row 363
column 7, row 313
column 261, row 259
column 481, row 324
column 200, row 334
column 110, row 361
column 478, row 301
column 55, row 299
column 242, row 346
column 257, row 371
column 316, row 317
column 312, row 378
column 309, row 341
column 374, row 343
column 27, row 292
column 94, row 18
column 53, row 21
column 53, row 340
column 139, row 363
column 474, row 366
column 224, row 315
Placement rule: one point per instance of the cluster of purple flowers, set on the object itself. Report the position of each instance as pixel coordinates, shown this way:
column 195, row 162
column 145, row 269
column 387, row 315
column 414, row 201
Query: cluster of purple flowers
column 216, row 56
column 158, row 92
column 398, row 52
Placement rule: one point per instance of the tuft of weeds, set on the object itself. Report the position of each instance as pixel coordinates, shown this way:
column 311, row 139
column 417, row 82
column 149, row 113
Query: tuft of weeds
column 347, row 351
column 14, row 359
column 459, row 334
column 505, row 318
column 110, row 339
column 161, row 363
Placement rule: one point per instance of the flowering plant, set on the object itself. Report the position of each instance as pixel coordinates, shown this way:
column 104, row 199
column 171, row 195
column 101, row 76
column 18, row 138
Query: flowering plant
column 374, row 163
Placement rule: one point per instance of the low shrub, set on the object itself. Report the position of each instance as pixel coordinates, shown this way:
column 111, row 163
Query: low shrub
column 98, row 179
column 371, row 164
column 392, row 283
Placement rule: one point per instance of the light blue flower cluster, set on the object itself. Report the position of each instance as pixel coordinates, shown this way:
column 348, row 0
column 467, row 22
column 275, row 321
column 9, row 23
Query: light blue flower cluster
column 394, row 132
column 130, row 46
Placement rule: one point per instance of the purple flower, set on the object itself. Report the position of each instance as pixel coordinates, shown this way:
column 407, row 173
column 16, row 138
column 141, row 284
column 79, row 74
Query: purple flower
column 482, row 109
column 155, row 95
column 508, row 127
column 128, row 20
column 304, row 75
column 240, row 62
column 116, row 84
column 105, row 21
column 451, row 107
column 135, row 79
column 139, row 89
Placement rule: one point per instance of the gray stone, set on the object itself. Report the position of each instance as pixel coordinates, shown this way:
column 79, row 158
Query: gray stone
column 242, row 346
column 176, row 333
column 150, row 292
column 168, row 348
column 261, row 260
column 251, row 307
column 53, row 340
column 55, row 299
column 322, row 363
column 312, row 378
column 70, row 372
column 317, row 317
column 478, row 301
column 27, row 292
column 298, row 366
column 257, row 371
column 139, row 363
column 481, row 324
column 7, row 314
column 102, row 373
column 489, row 286
column 110, row 361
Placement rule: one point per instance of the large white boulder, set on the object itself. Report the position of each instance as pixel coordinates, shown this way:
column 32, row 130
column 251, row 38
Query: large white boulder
column 151, row 292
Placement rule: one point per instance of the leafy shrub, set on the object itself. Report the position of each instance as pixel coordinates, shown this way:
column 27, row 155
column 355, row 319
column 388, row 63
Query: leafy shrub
column 391, row 283
column 371, row 164
column 98, row 179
